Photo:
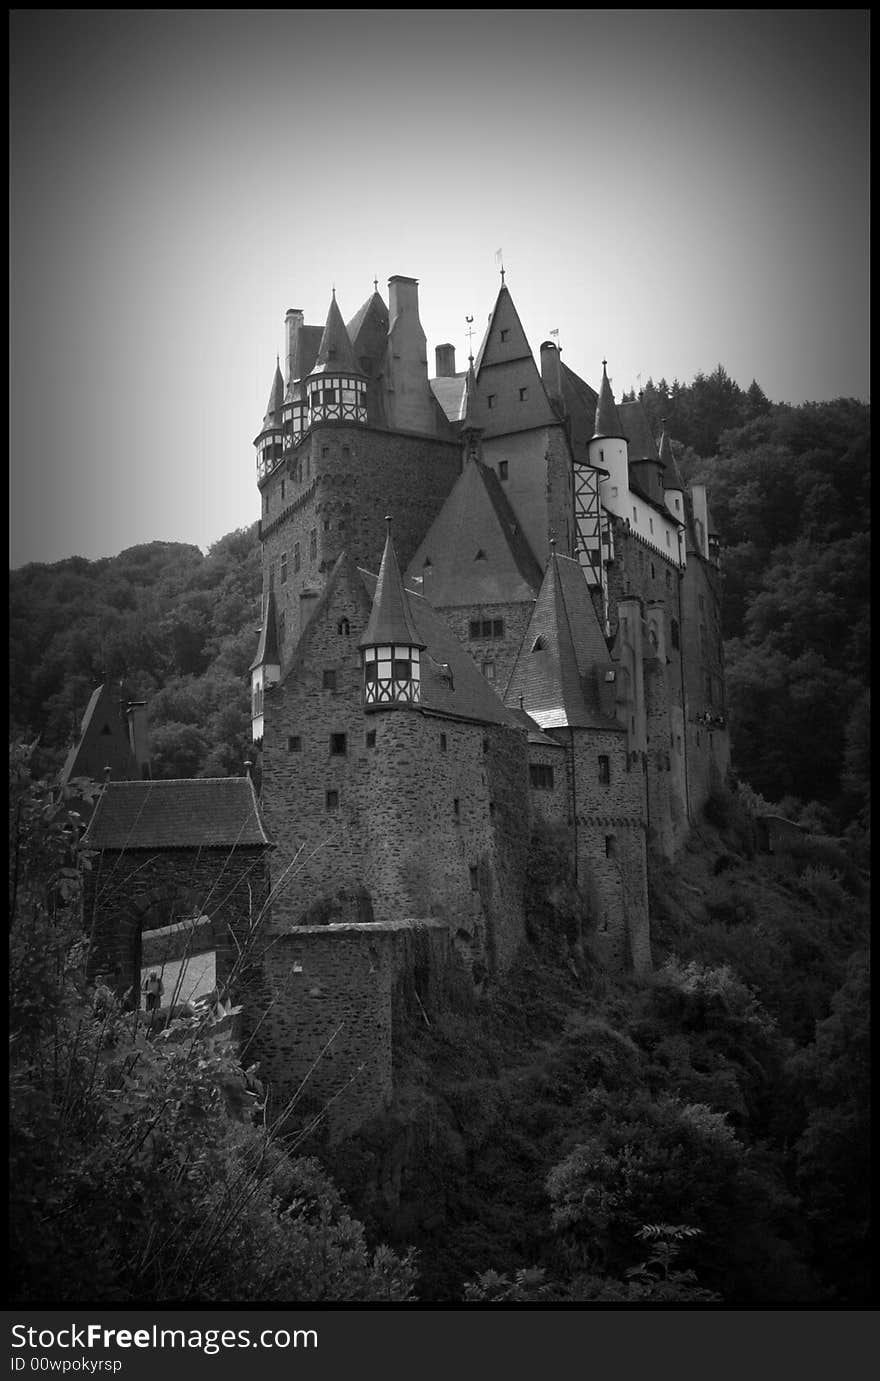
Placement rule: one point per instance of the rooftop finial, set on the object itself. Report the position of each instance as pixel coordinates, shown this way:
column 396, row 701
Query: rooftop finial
column 388, row 519
column 499, row 260
column 375, row 285
column 604, row 366
column 333, row 291
column 470, row 335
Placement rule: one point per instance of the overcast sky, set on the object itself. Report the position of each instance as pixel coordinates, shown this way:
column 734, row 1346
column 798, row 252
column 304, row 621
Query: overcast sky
column 671, row 189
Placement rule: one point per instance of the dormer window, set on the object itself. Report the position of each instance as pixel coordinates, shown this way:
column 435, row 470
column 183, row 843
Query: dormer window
column 540, row 644
column 480, row 556
column 504, row 334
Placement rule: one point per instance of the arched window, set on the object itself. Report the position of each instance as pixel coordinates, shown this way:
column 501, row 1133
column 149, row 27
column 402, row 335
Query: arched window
column 674, row 634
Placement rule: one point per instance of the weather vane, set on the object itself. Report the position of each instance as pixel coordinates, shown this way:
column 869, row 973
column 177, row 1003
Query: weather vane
column 470, row 336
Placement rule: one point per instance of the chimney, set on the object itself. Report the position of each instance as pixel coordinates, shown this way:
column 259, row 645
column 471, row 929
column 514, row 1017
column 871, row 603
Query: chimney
column 410, row 404
column 293, row 321
column 551, row 369
column 444, row 356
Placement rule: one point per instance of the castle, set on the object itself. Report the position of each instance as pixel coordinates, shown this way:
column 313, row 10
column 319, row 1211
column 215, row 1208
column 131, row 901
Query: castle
column 489, row 603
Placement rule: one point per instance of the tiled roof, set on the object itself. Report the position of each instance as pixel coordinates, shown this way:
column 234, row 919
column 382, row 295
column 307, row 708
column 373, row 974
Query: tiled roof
column 608, row 421
column 267, row 648
column 390, row 619
column 476, row 518
column 671, row 474
column 335, row 355
column 206, row 812
column 562, row 653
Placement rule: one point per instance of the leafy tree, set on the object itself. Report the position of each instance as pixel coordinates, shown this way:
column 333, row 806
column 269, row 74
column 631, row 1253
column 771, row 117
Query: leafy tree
column 141, row 1163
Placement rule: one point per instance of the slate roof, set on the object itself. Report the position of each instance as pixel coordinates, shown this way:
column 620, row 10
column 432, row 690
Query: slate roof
column 276, row 399
column 205, row 812
column 335, row 355
column 267, row 647
column 637, row 430
column 557, row 680
column 671, row 474
column 449, row 390
column 451, row 682
column 476, row 517
column 103, row 738
column 368, row 327
column 390, row 619
column 608, row 421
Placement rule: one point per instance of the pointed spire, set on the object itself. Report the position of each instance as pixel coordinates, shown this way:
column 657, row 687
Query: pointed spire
column 607, row 417
column 390, row 621
column 335, row 355
column 267, row 648
column 276, row 399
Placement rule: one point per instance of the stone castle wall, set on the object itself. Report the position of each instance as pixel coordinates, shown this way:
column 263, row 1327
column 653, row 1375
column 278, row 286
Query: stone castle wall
column 324, row 1038
column 338, row 486
column 129, row 894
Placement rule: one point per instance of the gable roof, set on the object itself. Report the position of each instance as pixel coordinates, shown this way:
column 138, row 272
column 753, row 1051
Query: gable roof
column 368, row 328
column 205, row 812
column 505, row 367
column 555, row 672
column 476, row 517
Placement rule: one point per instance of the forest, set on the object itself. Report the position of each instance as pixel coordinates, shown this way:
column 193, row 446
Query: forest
column 701, row 1137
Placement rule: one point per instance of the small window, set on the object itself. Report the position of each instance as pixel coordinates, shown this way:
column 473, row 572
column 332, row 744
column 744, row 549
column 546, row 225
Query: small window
column 282, row 489
column 673, row 633
column 485, row 745
column 442, row 743
column 480, row 556
column 338, row 745
column 370, row 739
column 329, row 680
column 523, row 394
column 650, row 524
column 540, row 644
column 294, row 744
column 610, row 846
column 502, row 469
column 492, row 399
column 677, row 505
column 343, row 628
column 604, row 770
column 635, row 518
column 332, row 800
column 602, row 462
column 668, row 539
column 297, row 560
column 489, row 671
column 475, row 628
column 325, row 450
column 456, row 810
column 653, row 572
column 504, row 334
column 541, row 776
column 475, row 878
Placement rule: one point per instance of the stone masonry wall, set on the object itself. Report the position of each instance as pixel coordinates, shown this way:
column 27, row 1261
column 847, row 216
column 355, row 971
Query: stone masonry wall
column 339, row 484
column 501, row 652
column 328, row 997
column 128, row 893
column 538, row 485
column 610, row 841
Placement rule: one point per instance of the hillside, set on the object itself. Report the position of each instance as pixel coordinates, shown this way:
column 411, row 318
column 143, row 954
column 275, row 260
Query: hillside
column 727, row 1094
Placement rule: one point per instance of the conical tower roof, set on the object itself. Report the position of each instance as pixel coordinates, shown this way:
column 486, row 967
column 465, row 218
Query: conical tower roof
column 390, row 619
column 276, row 400
column 267, row 648
column 608, row 421
column 335, row 355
